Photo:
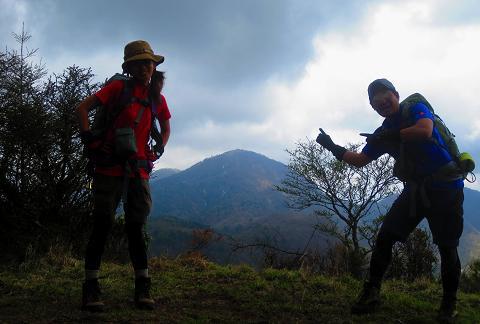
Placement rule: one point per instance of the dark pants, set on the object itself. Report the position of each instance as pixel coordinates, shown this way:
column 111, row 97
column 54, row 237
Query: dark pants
column 107, row 192
column 445, row 219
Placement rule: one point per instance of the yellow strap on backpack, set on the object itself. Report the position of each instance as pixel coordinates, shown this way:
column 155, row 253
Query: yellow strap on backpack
column 467, row 164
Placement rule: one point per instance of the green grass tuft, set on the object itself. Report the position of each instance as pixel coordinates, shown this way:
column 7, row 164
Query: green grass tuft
column 190, row 289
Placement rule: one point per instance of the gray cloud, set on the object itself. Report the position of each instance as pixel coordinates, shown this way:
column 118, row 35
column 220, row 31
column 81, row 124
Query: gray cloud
column 220, row 42
column 218, row 52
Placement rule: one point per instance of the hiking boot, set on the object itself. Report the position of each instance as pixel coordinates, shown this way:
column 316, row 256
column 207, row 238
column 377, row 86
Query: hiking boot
column 143, row 300
column 448, row 311
column 368, row 300
column 91, row 296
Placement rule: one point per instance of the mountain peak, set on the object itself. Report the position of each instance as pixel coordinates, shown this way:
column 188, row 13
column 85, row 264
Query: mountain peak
column 237, row 152
column 236, row 182
column 243, row 155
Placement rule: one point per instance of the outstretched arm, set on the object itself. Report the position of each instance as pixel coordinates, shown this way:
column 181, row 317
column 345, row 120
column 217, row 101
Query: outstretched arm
column 341, row 153
column 356, row 159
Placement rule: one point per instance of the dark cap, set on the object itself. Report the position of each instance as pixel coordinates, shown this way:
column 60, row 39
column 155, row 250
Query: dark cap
column 379, row 84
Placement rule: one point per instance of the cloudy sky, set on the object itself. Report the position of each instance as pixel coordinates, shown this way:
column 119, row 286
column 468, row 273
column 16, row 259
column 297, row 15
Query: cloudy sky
column 263, row 74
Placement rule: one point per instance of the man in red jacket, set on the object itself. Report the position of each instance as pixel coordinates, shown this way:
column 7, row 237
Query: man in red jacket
column 126, row 160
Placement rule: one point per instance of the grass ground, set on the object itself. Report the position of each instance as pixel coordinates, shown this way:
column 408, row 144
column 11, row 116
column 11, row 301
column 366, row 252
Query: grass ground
column 192, row 290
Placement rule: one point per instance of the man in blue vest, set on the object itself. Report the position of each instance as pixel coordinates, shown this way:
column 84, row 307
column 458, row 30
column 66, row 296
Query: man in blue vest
column 416, row 145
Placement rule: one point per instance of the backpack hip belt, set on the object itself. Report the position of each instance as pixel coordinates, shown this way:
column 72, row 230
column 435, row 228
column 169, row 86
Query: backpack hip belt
column 447, row 173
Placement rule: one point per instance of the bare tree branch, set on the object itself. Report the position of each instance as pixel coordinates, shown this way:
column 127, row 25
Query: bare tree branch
column 339, row 191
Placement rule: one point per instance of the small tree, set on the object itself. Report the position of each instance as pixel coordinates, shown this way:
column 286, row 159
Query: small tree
column 43, row 196
column 342, row 195
column 23, row 142
column 470, row 279
column 416, row 258
column 63, row 172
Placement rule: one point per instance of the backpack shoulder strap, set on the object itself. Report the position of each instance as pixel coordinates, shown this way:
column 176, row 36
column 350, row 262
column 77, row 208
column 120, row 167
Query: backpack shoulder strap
column 123, row 100
column 415, row 98
column 406, row 108
column 449, row 143
column 154, row 132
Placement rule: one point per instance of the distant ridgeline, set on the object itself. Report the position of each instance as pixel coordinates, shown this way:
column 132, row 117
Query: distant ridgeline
column 233, row 194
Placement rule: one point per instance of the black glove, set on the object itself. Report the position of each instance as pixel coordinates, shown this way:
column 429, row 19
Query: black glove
column 326, row 141
column 159, row 149
column 389, row 135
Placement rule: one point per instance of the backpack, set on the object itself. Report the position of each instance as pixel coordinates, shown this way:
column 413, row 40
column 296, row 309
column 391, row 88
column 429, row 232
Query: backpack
column 446, row 135
column 103, row 120
column 462, row 162
column 104, row 117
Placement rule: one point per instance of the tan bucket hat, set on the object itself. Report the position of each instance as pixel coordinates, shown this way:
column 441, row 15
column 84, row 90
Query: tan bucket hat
column 140, row 50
